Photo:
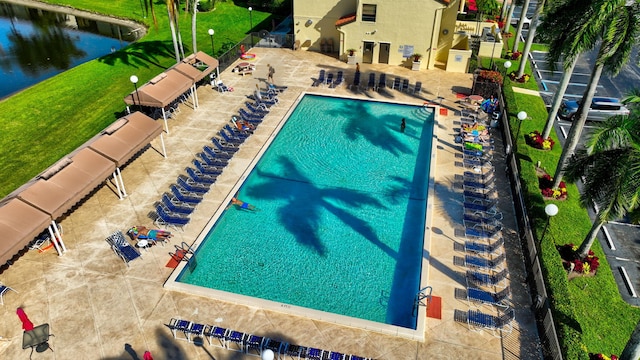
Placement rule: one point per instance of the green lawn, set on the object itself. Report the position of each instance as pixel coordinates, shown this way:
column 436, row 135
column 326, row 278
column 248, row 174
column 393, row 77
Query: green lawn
column 47, row 121
column 589, row 311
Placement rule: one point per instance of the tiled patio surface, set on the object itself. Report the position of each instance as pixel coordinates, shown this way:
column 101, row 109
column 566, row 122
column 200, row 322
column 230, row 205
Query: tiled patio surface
column 98, row 308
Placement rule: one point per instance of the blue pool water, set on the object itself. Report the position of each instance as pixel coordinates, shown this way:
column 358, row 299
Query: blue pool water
column 342, row 195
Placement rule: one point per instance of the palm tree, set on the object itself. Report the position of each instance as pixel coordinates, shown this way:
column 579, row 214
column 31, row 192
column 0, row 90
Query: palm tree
column 523, row 15
column 616, row 26
column 610, row 167
column 173, row 15
column 530, row 35
column 507, row 22
column 149, row 4
column 632, row 349
column 193, row 26
column 557, row 97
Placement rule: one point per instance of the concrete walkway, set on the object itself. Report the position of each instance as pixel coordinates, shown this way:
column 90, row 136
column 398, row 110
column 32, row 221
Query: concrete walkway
column 98, row 308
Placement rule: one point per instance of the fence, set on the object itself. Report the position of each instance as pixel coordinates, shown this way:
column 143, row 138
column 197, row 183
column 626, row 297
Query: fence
column 261, row 39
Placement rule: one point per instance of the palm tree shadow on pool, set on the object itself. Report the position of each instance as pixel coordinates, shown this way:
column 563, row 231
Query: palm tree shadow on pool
column 304, row 204
column 140, row 54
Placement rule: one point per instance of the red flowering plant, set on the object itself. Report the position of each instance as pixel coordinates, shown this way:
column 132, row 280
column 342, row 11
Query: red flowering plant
column 535, row 140
column 491, row 76
column 545, row 182
column 572, row 262
column 523, row 79
column 602, row 357
column 513, row 55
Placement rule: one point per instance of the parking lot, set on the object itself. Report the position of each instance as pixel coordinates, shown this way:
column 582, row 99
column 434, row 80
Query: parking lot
column 620, row 240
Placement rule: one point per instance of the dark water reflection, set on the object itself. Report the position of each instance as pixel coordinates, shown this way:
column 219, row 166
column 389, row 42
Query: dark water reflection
column 36, row 44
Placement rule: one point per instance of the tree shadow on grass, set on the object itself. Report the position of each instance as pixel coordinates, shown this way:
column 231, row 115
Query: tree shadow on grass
column 141, row 54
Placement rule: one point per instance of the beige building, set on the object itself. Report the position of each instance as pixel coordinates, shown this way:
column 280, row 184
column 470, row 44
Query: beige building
column 382, row 31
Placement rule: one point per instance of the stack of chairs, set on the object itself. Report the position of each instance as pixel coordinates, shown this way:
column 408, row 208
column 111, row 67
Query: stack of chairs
column 484, row 253
column 250, row 344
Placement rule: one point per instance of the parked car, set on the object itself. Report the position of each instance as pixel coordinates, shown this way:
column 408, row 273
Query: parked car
column 601, row 109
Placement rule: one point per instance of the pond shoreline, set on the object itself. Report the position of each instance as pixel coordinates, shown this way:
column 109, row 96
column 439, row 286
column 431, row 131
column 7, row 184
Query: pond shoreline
column 139, row 30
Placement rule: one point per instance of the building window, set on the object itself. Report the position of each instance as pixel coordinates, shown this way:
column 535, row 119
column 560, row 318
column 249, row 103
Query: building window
column 369, row 12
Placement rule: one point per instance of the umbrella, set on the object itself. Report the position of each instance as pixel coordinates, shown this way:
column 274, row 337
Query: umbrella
column 27, row 325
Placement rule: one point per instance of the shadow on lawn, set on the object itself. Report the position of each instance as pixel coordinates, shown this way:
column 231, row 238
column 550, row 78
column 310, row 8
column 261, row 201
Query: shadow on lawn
column 141, row 54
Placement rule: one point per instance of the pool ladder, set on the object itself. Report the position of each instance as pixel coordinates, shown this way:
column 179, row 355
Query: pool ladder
column 421, row 296
column 182, row 251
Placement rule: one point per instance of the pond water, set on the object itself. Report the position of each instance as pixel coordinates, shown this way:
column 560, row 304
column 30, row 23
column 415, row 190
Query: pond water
column 36, row 44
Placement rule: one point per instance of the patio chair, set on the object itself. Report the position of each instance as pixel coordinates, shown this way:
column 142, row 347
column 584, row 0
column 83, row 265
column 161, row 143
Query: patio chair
column 491, row 213
column 230, row 139
column 277, row 346
column 179, row 326
column 185, row 196
column 221, row 87
column 484, row 279
column 470, row 195
column 396, row 83
column 226, row 148
column 296, row 351
column 474, row 220
column 4, row 289
column 260, row 108
column 405, row 85
column 235, row 132
column 418, row 87
column 356, row 81
column 372, row 81
column 473, row 163
column 122, row 248
column 214, row 332
column 206, row 168
column 480, row 262
column 480, row 233
column 212, row 162
column 336, row 356
column 329, row 80
column 42, row 241
column 479, row 176
column 483, row 185
column 478, row 321
column 321, row 78
column 314, row 354
column 199, row 177
column 166, row 218
column 253, row 343
column 487, row 207
column 217, row 153
column 252, row 117
column 499, row 299
column 195, row 330
column 338, row 81
column 176, row 206
column 235, row 340
column 484, row 248
column 382, row 81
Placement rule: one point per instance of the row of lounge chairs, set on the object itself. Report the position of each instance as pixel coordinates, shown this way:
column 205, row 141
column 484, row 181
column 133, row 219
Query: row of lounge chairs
column 250, row 344
column 327, row 79
column 177, row 205
column 485, row 258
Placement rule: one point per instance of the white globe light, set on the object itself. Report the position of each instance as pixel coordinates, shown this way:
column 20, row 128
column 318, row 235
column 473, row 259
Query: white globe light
column 507, row 64
column 250, row 8
column 522, row 115
column 211, row 32
column 133, row 79
column 268, row 353
column 551, row 210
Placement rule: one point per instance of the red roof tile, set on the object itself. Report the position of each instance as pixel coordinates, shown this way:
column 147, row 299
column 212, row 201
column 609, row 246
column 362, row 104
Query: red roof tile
column 346, row 19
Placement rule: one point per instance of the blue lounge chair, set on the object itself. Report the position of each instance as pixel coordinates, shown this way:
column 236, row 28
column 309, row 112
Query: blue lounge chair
column 477, row 320
column 382, row 81
column 212, row 161
column 500, row 298
column 484, row 279
column 480, row 233
column 229, row 139
column 296, row 351
column 217, row 153
column 483, row 263
column 336, row 356
column 195, row 330
column 405, row 85
column 191, row 186
column 122, row 248
column 259, row 108
column 235, row 340
column 418, row 87
column 253, row 343
column 485, row 185
column 320, row 79
column 252, row 117
column 472, row 220
column 492, row 213
column 4, row 289
column 479, row 176
column 185, row 196
column 166, row 218
column 214, row 332
column 338, row 81
column 199, row 177
column 372, row 81
column 329, row 80
column 278, row 347
column 314, row 354
column 176, row 206
column 477, row 163
column 225, row 148
column 484, row 248
column 237, row 132
column 356, row 81
column 487, row 207
column 480, row 194
column 179, row 326
column 396, row 83
column 206, row 169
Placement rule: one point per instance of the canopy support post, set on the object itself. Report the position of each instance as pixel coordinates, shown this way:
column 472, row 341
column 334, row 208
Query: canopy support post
column 59, row 236
column 124, row 191
column 164, row 150
column 164, row 116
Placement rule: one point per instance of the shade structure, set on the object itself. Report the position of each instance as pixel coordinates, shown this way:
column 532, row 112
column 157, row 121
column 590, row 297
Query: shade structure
column 201, row 62
column 160, row 91
column 20, row 223
column 126, row 137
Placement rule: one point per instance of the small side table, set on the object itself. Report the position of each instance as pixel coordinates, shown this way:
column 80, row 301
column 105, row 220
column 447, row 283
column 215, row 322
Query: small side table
column 143, row 244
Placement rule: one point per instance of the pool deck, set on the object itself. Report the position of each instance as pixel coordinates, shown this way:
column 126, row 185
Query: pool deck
column 98, row 308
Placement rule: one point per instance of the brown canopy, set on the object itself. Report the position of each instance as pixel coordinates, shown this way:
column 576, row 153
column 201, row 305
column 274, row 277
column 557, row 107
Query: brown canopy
column 126, row 137
column 202, row 63
column 68, row 182
column 19, row 224
column 160, row 91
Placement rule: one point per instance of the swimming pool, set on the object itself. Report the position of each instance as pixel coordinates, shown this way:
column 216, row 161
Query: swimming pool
column 342, row 199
